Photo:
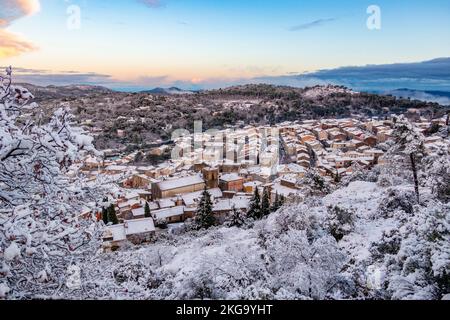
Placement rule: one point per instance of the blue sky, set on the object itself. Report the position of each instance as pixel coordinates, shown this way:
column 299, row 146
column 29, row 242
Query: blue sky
column 201, row 43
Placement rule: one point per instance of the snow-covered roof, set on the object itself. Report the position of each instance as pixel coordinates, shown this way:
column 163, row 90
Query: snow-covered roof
column 166, row 203
column 180, row 182
column 189, row 198
column 230, row 177
column 169, row 212
column 138, row 212
column 139, row 226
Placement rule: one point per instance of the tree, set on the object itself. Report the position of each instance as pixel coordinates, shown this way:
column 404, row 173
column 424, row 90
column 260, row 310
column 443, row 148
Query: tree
column 276, row 204
column 315, row 184
column 282, row 200
column 265, row 203
column 255, row 206
column 409, row 141
column 105, row 210
column 138, row 157
column 204, row 217
column 339, row 221
column 236, row 219
column 147, row 212
column 40, row 226
column 112, row 216
column 105, row 215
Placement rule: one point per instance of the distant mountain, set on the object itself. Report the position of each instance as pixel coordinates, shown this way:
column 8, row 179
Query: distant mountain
column 61, row 92
column 168, row 91
column 441, row 97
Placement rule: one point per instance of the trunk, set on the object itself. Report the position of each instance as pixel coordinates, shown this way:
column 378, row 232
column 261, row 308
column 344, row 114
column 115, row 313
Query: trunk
column 414, row 169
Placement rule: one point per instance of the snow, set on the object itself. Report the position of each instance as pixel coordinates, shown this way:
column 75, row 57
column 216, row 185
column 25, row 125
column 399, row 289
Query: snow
column 364, row 199
column 139, row 212
column 191, row 199
column 117, row 232
column 12, row 252
column 229, row 177
column 169, row 212
column 180, row 182
column 138, row 226
column 4, row 290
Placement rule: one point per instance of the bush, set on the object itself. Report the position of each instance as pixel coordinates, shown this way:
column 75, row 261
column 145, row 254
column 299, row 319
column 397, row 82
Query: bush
column 340, row 221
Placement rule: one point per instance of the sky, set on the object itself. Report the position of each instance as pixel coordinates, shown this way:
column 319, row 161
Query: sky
column 212, row 43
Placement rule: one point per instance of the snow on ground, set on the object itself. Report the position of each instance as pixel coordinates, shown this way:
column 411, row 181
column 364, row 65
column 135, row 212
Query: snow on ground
column 364, row 199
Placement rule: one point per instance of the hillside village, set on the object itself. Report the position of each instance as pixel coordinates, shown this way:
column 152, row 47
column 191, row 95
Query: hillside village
column 231, row 164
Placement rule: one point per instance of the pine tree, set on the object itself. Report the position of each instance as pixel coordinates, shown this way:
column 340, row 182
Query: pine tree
column 282, row 201
column 112, row 216
column 265, row 203
column 204, row 217
column 409, row 141
column 105, row 215
column 147, row 212
column 105, row 211
column 276, row 204
column 255, row 206
column 236, row 219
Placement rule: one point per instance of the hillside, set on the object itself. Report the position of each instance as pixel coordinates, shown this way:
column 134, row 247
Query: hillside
column 147, row 117
column 390, row 248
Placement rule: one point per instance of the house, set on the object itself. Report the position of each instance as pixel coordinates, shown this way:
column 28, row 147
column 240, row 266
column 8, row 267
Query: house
column 137, row 181
column 138, row 213
column 371, row 141
column 175, row 186
column 125, row 207
column 249, row 187
column 135, row 231
column 231, row 182
column 170, row 215
column 191, row 199
column 222, row 208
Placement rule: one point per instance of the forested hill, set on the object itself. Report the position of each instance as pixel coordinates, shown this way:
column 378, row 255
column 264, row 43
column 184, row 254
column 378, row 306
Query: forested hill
column 145, row 117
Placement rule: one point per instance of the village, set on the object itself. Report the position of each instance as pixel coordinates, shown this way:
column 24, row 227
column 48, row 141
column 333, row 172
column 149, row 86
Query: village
column 231, row 165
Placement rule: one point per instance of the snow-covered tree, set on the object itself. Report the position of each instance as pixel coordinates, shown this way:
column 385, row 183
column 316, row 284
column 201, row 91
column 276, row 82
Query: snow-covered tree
column 339, row 221
column 204, row 217
column 112, row 216
column 314, row 184
column 276, row 203
column 265, row 203
column 438, row 174
column 40, row 227
column 410, row 142
column 254, row 210
column 236, row 219
column 147, row 212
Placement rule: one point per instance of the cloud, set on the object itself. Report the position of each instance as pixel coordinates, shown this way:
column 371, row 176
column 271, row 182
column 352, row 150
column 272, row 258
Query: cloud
column 309, row 25
column 426, row 75
column 153, row 3
column 46, row 77
column 12, row 44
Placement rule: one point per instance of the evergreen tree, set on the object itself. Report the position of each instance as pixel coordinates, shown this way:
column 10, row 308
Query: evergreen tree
column 282, row 201
column 276, row 204
column 265, row 203
column 112, row 216
column 409, row 141
column 105, row 211
column 204, row 217
column 236, row 219
column 147, row 212
column 255, row 206
column 105, row 215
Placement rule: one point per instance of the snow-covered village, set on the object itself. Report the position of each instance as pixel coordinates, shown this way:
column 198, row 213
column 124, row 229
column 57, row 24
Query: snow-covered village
column 169, row 167
column 349, row 208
